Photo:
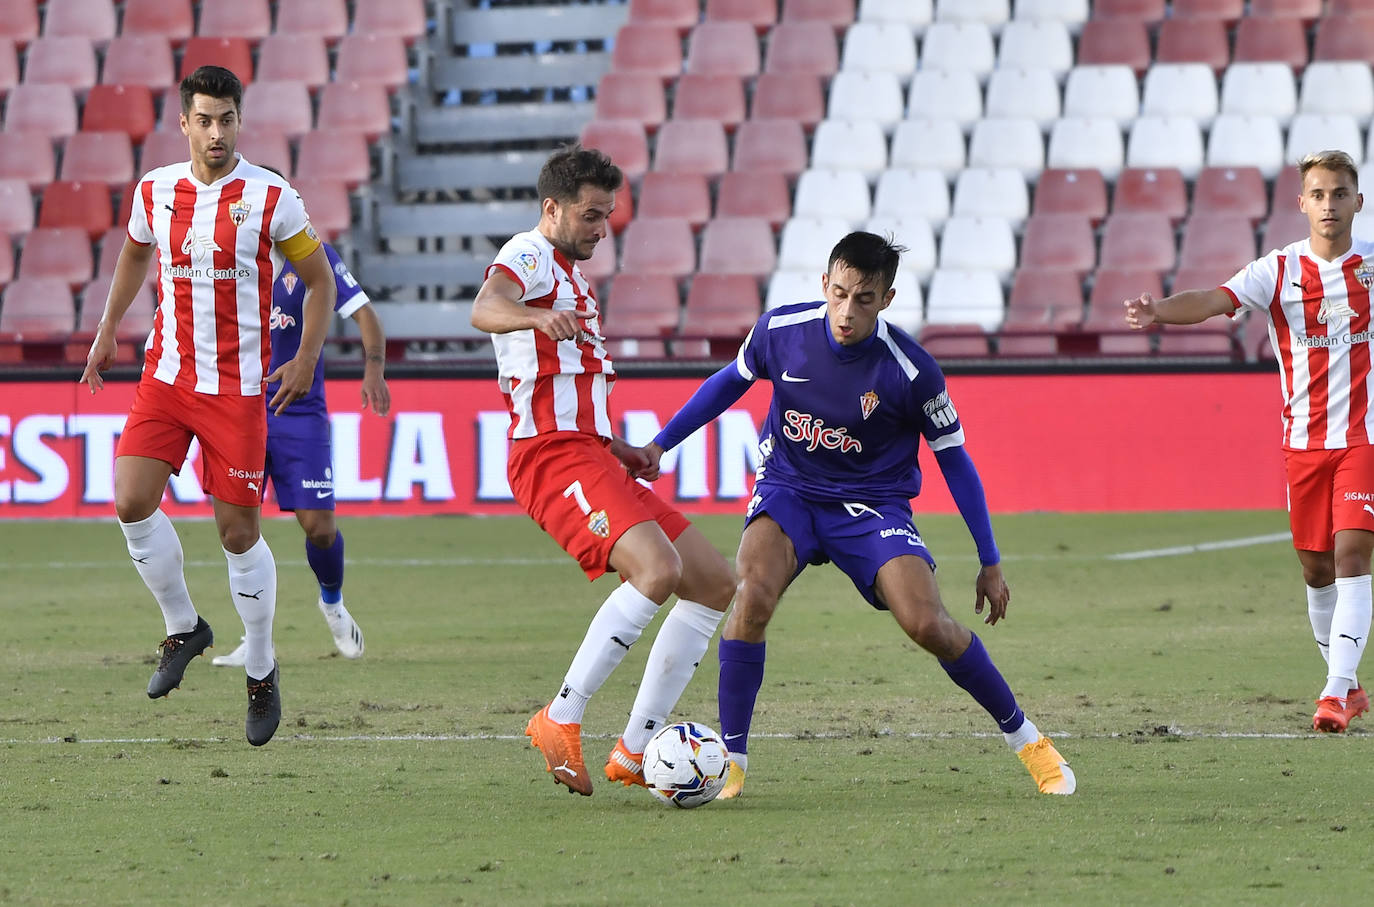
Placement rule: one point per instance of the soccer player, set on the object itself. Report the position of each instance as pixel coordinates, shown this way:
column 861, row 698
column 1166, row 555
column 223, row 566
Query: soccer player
column 573, row 476
column 221, row 228
column 1315, row 295
column 298, row 451
column 852, row 397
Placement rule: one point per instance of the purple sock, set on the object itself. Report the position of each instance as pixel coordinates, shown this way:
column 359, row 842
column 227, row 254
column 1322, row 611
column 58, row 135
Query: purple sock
column 741, row 675
column 328, row 564
column 979, row 677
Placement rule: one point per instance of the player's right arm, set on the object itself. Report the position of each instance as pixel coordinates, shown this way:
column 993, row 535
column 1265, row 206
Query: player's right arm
column 498, row 310
column 130, row 271
column 1188, row 307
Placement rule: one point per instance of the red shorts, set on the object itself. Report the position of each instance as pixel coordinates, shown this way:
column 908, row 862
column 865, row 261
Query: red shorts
column 232, row 432
column 1329, row 490
column 579, row 493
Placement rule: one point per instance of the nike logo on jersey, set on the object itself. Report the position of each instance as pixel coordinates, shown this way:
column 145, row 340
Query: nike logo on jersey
column 792, row 379
column 324, row 494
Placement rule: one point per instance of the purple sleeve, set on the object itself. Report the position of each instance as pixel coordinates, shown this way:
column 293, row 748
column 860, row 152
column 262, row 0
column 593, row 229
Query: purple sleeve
column 967, row 490
column 710, row 400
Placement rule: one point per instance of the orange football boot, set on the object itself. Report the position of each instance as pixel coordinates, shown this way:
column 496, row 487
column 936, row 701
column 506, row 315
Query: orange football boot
column 561, row 745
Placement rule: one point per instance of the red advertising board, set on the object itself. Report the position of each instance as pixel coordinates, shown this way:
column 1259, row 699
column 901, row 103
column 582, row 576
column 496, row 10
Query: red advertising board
column 1129, row 442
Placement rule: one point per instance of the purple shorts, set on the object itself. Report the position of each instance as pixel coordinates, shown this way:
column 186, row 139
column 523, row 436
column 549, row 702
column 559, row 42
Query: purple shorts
column 858, row 538
column 298, row 464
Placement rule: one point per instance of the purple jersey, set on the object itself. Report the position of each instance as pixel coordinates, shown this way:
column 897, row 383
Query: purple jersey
column 288, row 298
column 845, row 422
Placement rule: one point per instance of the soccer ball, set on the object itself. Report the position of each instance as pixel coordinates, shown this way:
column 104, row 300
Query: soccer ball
column 685, row 764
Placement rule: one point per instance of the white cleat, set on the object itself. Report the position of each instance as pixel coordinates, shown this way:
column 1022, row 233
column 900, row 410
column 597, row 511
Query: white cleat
column 234, row 659
column 348, row 637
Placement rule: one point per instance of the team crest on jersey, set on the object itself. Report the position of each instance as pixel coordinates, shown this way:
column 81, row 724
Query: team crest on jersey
column 599, row 524
column 868, row 402
column 198, row 246
column 1333, row 309
column 238, row 212
column 289, row 280
column 1365, row 274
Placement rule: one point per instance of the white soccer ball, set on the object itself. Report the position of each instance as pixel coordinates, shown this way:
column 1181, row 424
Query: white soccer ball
column 685, row 764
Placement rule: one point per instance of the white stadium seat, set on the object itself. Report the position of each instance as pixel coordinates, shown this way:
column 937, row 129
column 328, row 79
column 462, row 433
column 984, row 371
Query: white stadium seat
column 992, row 13
column 929, row 143
column 914, row 14
column 1311, row 132
column 1246, row 141
column 840, row 194
column 916, row 234
column 806, row 242
column 1102, row 91
column 964, row 297
column 907, row 309
column 1072, row 13
column 1010, row 142
column 1018, row 92
column 992, row 193
column 850, row 145
column 946, row 94
column 1166, row 142
column 795, row 285
column 922, row 194
column 1180, row 90
column 1092, row 143
column 1344, row 87
column 1259, row 88
column 959, row 45
column 866, row 96
column 880, row 47
column 1036, row 45
column 979, row 244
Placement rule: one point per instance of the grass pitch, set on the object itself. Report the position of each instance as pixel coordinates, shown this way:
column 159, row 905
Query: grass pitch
column 1180, row 687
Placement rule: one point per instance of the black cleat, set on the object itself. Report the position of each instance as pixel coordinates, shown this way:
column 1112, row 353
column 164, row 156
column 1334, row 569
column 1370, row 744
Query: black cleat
column 177, row 652
column 264, row 708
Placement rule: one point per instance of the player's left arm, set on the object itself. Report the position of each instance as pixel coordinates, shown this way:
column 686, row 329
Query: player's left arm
column 298, row 374
column 374, row 390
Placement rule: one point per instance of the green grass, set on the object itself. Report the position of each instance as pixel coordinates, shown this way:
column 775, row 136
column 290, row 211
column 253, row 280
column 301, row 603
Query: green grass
column 403, row 778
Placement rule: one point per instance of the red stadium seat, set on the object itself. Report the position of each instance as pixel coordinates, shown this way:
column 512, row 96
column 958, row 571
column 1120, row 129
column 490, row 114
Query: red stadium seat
column 680, row 195
column 172, row 19
column 279, row 107
column 1113, row 286
column 1115, row 41
column 755, row 193
column 271, row 149
column 334, row 155
column 623, row 140
column 723, row 306
column 165, row 146
column 133, row 329
column 1063, row 241
column 1231, row 190
column 770, row 144
column 1287, row 188
column 1151, row 190
column 1260, row 40
column 624, row 210
column 1148, row 11
column 838, row 14
column 788, row 96
column 709, row 97
column 1205, row 276
column 61, row 61
column 139, row 60
column 658, row 246
column 27, row 156
column 9, row 66
column 372, row 59
column 1349, row 8
column 1226, row 240
column 355, row 107
column 19, row 21
column 680, row 14
column 6, row 261
column 110, row 245
column 1213, row 337
column 1227, row 11
column 1284, row 226
column 797, row 47
column 1138, row 241
column 738, row 245
column 105, row 157
column 642, row 305
column 59, row 252
column 49, row 110
column 1194, row 41
column 723, row 48
column 84, row 205
column 293, row 58
column 634, row 96
column 327, row 19
column 1045, row 296
column 1307, row 10
column 327, row 202
column 234, row 54
column 402, row 18
column 250, row 19
column 692, row 146
column 1071, row 192
column 654, row 49
column 121, row 108
column 955, row 341
column 16, row 209
column 761, row 14
column 36, row 310
column 1344, row 38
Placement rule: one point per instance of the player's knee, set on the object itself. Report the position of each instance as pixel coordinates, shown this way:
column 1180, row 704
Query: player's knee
column 937, row 633
column 238, row 537
column 754, row 605
column 131, row 509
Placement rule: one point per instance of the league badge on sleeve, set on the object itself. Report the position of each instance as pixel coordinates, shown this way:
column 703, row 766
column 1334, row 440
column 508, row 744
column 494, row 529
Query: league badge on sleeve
column 527, row 263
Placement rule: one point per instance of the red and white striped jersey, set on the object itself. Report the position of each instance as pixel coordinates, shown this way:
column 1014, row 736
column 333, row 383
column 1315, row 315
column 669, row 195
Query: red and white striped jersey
column 1319, row 325
column 217, row 256
column 551, row 385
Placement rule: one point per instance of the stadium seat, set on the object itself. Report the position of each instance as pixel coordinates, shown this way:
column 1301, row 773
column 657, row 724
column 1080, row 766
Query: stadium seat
column 944, row 94
column 965, row 297
column 403, row 18
column 921, row 144
column 133, row 329
column 325, row 19
column 953, row 341
column 27, row 156
column 110, row 245
column 16, row 210
column 293, row 58
column 721, row 306
column 698, row 96
column 1231, row 190
column 165, row 146
column 790, row 286
column 1148, row 11
column 677, row 195
column 653, row 49
column 66, row 61
column 1078, row 191
column 1102, row 91
column 992, row 192
column 9, row 66
column 1024, row 93
column 332, row 155
column 805, row 244
column 802, row 47
column 738, row 245
column 770, row 144
column 1113, row 286
column 1265, row 40
column 170, row 19
column 1115, row 42
column 327, row 202
column 1138, row 241
column 1169, row 141
column 1306, row 10
column 1348, row 8
column 680, row 14
column 1314, row 132
column 1061, row 242
column 1285, row 225
column 914, row 14
column 916, row 192
column 19, row 21
column 280, row 107
column 916, row 235
column 838, row 14
column 1226, row 240
column 122, row 108
column 642, row 305
column 355, row 107
column 623, row 140
column 658, row 246
column 1086, row 142
column 1043, row 44
column 873, row 96
column 1214, row 337
column 1344, row 38
column 759, row 14
column 880, row 47
column 37, row 310
column 139, row 60
column 599, row 268
column 250, row 19
column 84, row 205
column 634, row 96
column 6, row 261
column 977, row 244
column 1202, row 41
column 1246, row 141
column 1012, row 142
column 907, row 309
column 1045, row 296
column 755, row 193
column 1180, row 90
column 788, row 96
column 624, row 208
column 992, row 13
column 1228, row 12
column 1343, row 87
column 1205, row 276
column 838, row 194
column 723, row 49
column 271, row 149
column 1151, row 190
column 371, row 60
column 850, row 145
column 48, row 110
column 234, row 54
column 1259, row 88
column 963, row 45
column 691, row 146
column 63, row 253
column 104, row 157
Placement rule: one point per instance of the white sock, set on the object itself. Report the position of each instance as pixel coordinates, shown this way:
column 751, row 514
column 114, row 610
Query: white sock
column 1349, row 633
column 1321, row 603
column 681, row 642
column 619, row 621
column 742, row 760
column 253, row 587
column 156, row 550
column 1023, row 736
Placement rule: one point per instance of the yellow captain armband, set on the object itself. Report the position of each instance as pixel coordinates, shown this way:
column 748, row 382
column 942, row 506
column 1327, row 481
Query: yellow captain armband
column 302, row 245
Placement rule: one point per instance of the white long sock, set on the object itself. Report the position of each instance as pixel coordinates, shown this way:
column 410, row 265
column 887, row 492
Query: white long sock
column 1022, row 737
column 681, row 642
column 156, row 550
column 618, row 623
column 1349, row 633
column 253, row 587
column 1321, row 604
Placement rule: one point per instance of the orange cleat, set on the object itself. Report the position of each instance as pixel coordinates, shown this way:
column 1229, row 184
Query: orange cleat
column 734, row 783
column 1051, row 773
column 1356, row 703
column 625, row 766
column 1331, row 717
column 561, row 745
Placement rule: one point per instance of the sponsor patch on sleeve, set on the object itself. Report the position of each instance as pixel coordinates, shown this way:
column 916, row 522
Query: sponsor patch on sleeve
column 940, row 411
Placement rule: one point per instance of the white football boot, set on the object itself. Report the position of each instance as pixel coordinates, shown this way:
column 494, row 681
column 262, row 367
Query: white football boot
column 348, row 637
column 234, row 659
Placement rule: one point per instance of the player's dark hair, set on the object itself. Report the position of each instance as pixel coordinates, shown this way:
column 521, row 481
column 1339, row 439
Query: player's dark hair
column 214, row 81
column 868, row 253
column 571, row 167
